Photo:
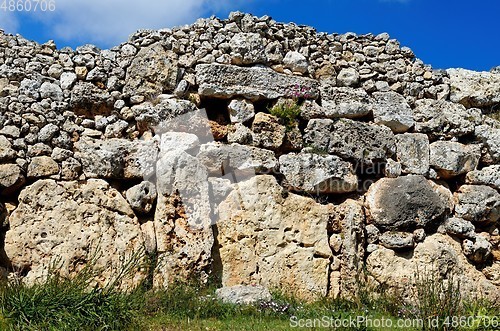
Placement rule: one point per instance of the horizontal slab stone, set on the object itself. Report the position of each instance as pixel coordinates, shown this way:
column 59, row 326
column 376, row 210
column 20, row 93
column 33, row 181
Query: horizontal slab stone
column 321, row 174
column 254, row 83
column 116, row 158
column 221, row 159
column 474, row 89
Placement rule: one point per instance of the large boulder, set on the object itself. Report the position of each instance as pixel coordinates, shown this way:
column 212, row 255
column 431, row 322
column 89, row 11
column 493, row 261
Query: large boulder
column 364, row 143
column 439, row 258
column 320, row 174
column 452, row 158
column 474, row 89
column 116, row 158
column 413, row 153
column 478, row 204
column 348, row 226
column 404, row 203
column 392, row 110
column 69, row 224
column 440, row 118
column 254, row 83
column 152, row 71
column 290, row 250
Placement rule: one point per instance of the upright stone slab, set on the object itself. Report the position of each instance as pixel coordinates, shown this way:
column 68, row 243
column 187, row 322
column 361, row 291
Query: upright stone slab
column 291, row 249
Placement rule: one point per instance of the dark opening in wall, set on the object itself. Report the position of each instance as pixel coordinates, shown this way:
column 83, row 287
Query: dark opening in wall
column 263, row 105
column 216, row 110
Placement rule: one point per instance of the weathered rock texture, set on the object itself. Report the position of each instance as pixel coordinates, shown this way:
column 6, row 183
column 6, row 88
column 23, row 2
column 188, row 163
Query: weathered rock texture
column 67, row 224
column 226, row 148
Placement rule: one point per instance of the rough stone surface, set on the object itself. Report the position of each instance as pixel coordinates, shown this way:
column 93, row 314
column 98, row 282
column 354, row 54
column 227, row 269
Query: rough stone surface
column 392, row 110
column 404, row 203
column 247, row 48
column 87, row 98
column 241, row 294
column 478, row 250
column 42, row 166
column 291, row 251
column 340, row 102
column 296, row 62
column 6, row 151
column 441, row 118
column 458, row 227
column 440, row 256
column 150, row 109
column 240, row 135
column 350, row 216
column 141, row 197
column 348, row 77
column 478, row 204
column 397, row 240
column 68, row 222
column 317, row 134
column 152, row 71
column 452, row 158
column 268, row 132
column 221, row 159
column 254, row 83
column 116, row 158
column 362, row 142
column 11, row 178
column 487, row 176
column 490, row 136
column 241, row 110
column 319, row 174
column 412, row 151
column 182, row 222
column 474, row 89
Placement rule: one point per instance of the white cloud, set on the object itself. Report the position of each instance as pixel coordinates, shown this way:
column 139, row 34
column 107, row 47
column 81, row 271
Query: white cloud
column 112, row 21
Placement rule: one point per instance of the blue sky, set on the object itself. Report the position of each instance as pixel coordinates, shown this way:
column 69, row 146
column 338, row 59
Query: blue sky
column 442, row 33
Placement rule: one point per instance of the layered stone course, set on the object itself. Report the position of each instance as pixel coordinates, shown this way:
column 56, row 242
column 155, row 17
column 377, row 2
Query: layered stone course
column 171, row 143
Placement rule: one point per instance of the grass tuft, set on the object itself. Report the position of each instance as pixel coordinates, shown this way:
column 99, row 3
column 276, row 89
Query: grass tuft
column 288, row 111
column 61, row 303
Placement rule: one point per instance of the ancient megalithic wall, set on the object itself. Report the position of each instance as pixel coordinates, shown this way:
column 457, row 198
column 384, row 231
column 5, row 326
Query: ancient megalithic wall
column 166, row 144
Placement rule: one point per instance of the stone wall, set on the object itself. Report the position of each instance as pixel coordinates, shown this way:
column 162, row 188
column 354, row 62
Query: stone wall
column 166, row 143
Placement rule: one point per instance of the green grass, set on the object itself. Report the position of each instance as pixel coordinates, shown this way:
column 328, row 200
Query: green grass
column 73, row 304
column 288, row 111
